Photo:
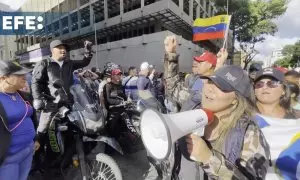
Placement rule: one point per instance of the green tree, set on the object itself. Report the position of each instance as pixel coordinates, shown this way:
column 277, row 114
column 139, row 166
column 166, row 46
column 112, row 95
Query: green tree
column 252, row 20
column 283, row 62
column 291, row 55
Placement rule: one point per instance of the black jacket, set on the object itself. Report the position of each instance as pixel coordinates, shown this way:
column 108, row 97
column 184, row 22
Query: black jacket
column 5, row 136
column 48, row 71
column 111, row 90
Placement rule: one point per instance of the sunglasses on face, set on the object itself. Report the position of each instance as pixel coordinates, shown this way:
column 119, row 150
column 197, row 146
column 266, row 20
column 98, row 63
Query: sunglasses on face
column 270, row 84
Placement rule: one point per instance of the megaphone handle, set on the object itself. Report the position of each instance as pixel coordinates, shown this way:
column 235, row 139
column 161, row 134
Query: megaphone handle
column 199, row 132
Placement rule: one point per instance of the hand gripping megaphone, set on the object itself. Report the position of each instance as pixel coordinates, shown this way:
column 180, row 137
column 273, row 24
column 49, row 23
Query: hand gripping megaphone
column 159, row 131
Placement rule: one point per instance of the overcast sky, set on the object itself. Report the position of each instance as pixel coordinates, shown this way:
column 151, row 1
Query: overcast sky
column 288, row 31
column 14, row 4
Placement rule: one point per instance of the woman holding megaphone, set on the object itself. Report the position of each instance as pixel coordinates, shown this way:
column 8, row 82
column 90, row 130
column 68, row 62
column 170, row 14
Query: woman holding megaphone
column 233, row 147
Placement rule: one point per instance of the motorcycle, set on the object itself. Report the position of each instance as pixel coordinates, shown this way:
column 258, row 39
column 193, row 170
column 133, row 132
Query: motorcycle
column 76, row 140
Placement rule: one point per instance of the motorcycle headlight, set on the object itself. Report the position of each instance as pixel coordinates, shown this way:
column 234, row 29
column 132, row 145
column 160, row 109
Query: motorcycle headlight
column 93, row 125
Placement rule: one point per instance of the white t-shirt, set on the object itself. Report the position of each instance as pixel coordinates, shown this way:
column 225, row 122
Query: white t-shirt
column 283, row 136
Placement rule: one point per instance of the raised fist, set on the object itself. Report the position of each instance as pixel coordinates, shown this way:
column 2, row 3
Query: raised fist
column 221, row 58
column 88, row 46
column 170, row 44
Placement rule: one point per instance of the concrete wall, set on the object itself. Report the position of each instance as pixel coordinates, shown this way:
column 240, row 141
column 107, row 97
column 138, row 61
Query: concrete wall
column 7, row 47
column 134, row 51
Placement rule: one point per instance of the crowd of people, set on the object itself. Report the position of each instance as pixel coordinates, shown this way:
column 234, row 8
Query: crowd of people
column 250, row 108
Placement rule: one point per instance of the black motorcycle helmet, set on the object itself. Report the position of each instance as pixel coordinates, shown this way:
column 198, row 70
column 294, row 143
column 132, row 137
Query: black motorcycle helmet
column 108, row 67
column 254, row 69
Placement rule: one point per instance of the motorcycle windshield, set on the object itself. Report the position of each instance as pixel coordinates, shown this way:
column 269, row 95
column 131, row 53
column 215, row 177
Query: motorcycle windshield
column 86, row 111
column 147, row 100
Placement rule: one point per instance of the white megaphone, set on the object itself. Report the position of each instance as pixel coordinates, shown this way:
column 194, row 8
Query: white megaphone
column 159, row 131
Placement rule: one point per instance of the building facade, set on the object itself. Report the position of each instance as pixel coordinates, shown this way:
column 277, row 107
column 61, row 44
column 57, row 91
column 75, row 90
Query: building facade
column 127, row 32
column 8, row 47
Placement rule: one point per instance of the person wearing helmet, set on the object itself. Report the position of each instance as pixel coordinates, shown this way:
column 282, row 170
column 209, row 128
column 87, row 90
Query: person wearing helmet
column 106, row 79
column 253, row 70
column 114, row 95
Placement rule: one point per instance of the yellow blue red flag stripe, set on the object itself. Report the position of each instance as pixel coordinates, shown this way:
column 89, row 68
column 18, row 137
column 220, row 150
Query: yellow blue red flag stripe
column 210, row 28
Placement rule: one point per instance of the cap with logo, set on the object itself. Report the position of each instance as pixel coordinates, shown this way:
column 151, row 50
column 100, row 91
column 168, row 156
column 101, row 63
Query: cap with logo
column 232, row 78
column 56, row 43
column 208, row 57
column 12, row 68
column 270, row 72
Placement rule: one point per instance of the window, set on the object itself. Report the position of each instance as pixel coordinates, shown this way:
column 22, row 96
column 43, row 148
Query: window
column 55, row 13
column 195, row 7
column 31, row 40
column 176, row 2
column 98, row 8
column 48, row 17
column 65, row 25
column 83, row 2
column 140, row 32
column 152, row 29
column 102, row 40
column 56, row 29
column 74, row 21
column 130, row 5
column 124, row 35
column 146, row 30
column 37, row 39
column 85, row 17
column 147, row 2
column 113, row 7
column 135, row 33
column 10, row 54
column 42, row 32
column 49, row 29
column 186, row 7
column 129, row 34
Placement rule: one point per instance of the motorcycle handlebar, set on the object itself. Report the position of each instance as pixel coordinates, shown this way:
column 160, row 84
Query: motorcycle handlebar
column 123, row 104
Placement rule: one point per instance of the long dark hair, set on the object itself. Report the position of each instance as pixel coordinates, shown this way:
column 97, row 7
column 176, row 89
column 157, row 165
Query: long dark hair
column 285, row 99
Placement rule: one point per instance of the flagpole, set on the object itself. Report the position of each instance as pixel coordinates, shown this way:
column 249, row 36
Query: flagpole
column 227, row 7
column 226, row 33
column 96, row 43
column 227, row 29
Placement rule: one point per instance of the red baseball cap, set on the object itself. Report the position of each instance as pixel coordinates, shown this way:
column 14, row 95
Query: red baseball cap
column 282, row 69
column 116, row 72
column 208, row 57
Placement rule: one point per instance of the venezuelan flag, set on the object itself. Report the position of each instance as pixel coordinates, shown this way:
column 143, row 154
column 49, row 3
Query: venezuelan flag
column 210, row 28
column 288, row 162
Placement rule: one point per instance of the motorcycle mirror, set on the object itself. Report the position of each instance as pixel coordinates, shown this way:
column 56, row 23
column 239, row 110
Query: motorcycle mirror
column 58, row 84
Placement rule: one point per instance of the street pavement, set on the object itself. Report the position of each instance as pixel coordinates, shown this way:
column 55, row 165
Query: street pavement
column 132, row 166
